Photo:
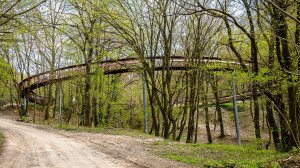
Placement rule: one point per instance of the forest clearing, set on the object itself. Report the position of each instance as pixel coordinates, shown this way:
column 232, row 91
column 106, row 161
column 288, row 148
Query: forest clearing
column 149, row 83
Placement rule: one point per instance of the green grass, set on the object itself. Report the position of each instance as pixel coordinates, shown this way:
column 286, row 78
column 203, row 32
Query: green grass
column 1, row 141
column 106, row 130
column 229, row 106
column 218, row 155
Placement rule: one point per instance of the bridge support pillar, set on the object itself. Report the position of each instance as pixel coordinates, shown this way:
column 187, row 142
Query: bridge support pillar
column 236, row 115
column 24, row 112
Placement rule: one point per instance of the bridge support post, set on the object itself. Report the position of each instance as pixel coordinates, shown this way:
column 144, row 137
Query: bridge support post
column 60, row 103
column 145, row 107
column 24, row 105
column 236, row 115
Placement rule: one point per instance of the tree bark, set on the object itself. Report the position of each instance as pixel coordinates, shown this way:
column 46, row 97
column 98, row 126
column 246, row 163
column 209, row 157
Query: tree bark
column 272, row 123
column 297, row 41
column 191, row 123
column 185, row 108
column 214, row 85
column 87, row 96
column 205, row 106
column 285, row 60
column 49, row 98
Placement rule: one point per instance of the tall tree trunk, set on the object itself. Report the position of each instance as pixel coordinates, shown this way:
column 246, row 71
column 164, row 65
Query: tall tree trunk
column 297, row 41
column 82, row 113
column 256, row 114
column 87, row 96
column 49, row 98
column 270, row 114
column 283, row 119
column 197, row 124
column 95, row 99
column 271, row 121
column 55, row 101
column 52, row 73
column 191, row 123
column 285, row 60
column 95, row 115
column 292, row 114
column 214, row 85
column 205, row 106
column 88, row 84
column 153, row 113
column 254, row 61
column 166, row 127
column 185, row 108
column 197, row 104
column 151, row 95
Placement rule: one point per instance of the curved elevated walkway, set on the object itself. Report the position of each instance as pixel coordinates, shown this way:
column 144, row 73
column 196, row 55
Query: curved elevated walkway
column 124, row 65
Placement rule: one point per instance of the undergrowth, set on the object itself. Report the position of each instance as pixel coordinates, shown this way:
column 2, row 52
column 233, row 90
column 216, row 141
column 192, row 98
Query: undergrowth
column 229, row 106
column 1, row 141
column 106, row 130
column 219, row 155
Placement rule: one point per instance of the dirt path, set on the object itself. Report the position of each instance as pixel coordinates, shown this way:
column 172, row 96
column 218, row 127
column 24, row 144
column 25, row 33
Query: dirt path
column 32, row 146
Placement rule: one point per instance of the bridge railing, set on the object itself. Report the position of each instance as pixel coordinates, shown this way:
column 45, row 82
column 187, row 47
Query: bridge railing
column 73, row 71
column 109, row 66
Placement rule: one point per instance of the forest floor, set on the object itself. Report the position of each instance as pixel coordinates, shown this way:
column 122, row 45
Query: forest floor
column 31, row 145
column 1, row 142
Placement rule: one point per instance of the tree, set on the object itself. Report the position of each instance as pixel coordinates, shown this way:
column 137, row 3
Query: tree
column 151, row 35
column 49, row 41
column 87, row 27
column 278, row 11
column 11, row 22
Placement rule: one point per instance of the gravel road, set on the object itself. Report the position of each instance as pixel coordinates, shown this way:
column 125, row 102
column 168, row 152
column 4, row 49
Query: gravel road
column 28, row 145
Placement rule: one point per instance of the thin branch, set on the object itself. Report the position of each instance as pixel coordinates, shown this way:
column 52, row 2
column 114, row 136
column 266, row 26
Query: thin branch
column 284, row 12
column 25, row 11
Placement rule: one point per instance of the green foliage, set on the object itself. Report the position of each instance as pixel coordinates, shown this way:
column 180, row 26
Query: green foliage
column 1, row 141
column 264, row 75
column 4, row 70
column 109, row 130
column 237, row 76
column 219, row 155
column 230, row 107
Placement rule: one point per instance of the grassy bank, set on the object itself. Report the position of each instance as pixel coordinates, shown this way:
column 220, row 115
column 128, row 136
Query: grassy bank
column 1, row 141
column 106, row 130
column 219, row 155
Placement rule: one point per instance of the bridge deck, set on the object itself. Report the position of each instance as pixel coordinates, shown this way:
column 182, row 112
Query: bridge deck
column 109, row 67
